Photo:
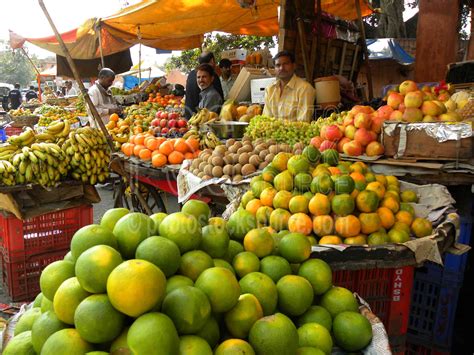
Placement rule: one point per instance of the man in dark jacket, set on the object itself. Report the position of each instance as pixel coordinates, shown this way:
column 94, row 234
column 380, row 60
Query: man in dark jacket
column 192, row 88
column 14, row 97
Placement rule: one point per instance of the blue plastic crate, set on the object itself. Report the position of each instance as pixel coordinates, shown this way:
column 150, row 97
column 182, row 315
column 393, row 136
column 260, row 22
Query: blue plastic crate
column 457, row 263
column 434, row 299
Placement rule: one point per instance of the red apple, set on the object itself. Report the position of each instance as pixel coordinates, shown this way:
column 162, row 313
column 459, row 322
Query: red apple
column 182, row 123
column 164, row 130
column 412, row 114
column 394, row 100
column 353, row 148
column 333, row 133
column 374, row 148
column 155, row 122
column 316, row 142
column 362, row 120
column 396, row 116
column 350, row 131
column 163, row 123
column 327, row 145
column 407, row 86
column 341, row 143
column 384, row 111
column 363, row 136
column 413, row 99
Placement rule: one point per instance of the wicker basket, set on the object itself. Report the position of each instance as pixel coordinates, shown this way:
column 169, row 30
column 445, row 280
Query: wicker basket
column 22, row 121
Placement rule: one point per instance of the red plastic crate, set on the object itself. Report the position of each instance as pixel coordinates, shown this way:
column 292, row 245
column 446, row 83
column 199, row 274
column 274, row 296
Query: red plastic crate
column 49, row 232
column 20, row 277
column 12, row 131
column 388, row 292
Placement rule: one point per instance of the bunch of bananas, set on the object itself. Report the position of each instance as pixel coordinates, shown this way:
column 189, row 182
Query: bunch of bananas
column 89, row 155
column 206, row 139
column 7, row 173
column 7, row 151
column 42, row 163
column 55, row 133
column 202, row 117
column 26, row 138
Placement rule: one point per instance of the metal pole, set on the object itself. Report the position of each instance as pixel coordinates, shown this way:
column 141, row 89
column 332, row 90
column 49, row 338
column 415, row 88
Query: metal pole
column 77, row 77
column 139, row 36
column 366, row 52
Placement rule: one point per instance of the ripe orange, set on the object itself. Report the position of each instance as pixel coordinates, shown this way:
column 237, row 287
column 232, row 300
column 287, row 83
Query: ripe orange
column 114, row 117
column 151, row 143
column 139, row 139
column 386, row 217
column 253, row 205
column 370, row 222
column 405, row 217
column 421, row 227
column 323, row 225
column 188, row 155
column 181, row 146
column 166, row 148
column 145, row 154
column 158, row 160
column 175, row 158
column 300, row 223
column 319, row 205
column 193, row 144
column 127, row 149
column 348, row 226
column 137, row 149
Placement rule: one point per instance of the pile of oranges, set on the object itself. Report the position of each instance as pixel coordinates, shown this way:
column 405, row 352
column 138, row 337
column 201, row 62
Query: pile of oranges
column 164, row 100
column 159, row 150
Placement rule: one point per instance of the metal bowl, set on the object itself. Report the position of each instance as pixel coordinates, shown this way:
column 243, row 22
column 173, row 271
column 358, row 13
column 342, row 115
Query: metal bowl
column 229, row 129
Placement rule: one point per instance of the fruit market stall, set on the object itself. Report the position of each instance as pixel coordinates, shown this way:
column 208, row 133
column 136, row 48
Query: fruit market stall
column 186, row 281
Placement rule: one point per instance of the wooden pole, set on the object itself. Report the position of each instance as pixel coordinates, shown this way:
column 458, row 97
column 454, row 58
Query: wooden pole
column 302, row 35
column 92, row 108
column 38, row 75
column 99, row 27
column 77, row 77
column 366, row 52
column 318, row 40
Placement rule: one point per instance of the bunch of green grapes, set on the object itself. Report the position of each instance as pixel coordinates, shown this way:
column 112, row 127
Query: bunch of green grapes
column 282, row 131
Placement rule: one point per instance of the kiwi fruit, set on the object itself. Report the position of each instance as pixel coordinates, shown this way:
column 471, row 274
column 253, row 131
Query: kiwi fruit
column 269, row 158
column 263, row 165
column 206, row 177
column 254, row 160
column 201, row 174
column 237, row 178
column 202, row 165
column 263, row 154
column 217, row 171
column 273, row 149
column 248, row 169
column 228, row 170
column 208, row 169
column 228, row 159
column 220, row 149
column 238, row 144
column 217, row 161
column 237, row 169
column 226, row 177
column 244, row 158
column 230, row 142
column 196, row 172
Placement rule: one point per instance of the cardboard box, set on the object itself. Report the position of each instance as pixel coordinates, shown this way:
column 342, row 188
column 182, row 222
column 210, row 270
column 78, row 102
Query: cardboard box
column 257, row 89
column 235, row 54
column 418, row 141
column 240, row 91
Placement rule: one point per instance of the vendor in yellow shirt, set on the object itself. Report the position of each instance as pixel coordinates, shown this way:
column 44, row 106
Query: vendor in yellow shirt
column 289, row 97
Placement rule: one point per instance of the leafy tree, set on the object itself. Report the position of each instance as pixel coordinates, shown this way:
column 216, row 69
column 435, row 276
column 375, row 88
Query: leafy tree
column 15, row 68
column 217, row 43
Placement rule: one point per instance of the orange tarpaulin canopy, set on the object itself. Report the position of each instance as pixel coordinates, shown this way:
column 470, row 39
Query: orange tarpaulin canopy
column 164, row 24
column 175, row 24
column 346, row 9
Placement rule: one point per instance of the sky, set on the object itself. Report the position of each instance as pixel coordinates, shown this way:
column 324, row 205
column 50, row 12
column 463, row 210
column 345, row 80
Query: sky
column 26, row 18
